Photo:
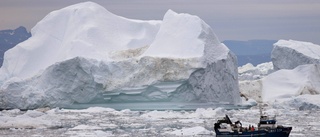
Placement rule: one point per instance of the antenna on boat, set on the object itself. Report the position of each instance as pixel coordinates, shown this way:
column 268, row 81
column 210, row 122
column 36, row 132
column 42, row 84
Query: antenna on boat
column 260, row 107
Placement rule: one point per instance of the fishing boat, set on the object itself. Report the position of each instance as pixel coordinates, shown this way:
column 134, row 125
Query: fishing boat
column 267, row 127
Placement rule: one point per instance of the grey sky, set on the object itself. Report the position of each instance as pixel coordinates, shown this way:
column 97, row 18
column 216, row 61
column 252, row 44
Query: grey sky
column 230, row 19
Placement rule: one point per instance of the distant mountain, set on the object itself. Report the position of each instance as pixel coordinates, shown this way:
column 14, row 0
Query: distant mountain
column 251, row 51
column 10, row 38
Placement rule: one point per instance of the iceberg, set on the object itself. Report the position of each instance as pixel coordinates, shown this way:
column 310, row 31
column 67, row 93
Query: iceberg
column 295, row 72
column 83, row 54
column 250, row 72
column 284, row 84
column 288, row 54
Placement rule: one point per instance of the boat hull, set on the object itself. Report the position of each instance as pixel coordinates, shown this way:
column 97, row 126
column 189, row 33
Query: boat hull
column 277, row 132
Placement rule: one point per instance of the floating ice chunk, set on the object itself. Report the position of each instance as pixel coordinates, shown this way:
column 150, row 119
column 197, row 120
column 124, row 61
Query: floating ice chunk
column 193, row 131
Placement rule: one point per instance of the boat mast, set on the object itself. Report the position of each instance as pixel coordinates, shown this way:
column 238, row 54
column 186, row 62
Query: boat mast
column 260, row 109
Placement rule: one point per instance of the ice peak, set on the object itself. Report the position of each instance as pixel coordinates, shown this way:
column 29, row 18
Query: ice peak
column 190, row 36
column 306, row 48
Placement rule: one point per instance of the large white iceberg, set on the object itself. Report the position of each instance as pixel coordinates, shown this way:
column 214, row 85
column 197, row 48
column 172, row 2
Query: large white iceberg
column 288, row 54
column 85, row 54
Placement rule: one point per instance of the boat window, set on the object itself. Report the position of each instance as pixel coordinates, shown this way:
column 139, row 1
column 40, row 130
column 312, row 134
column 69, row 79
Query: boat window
column 268, row 122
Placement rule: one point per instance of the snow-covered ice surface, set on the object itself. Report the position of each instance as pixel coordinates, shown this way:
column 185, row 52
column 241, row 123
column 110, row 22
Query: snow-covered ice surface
column 304, row 79
column 93, row 122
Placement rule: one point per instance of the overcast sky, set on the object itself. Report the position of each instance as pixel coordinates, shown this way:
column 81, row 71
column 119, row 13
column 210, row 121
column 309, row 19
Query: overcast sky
column 230, row 19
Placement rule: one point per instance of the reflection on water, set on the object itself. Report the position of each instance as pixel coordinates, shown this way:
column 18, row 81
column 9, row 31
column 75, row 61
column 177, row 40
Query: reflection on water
column 158, row 106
